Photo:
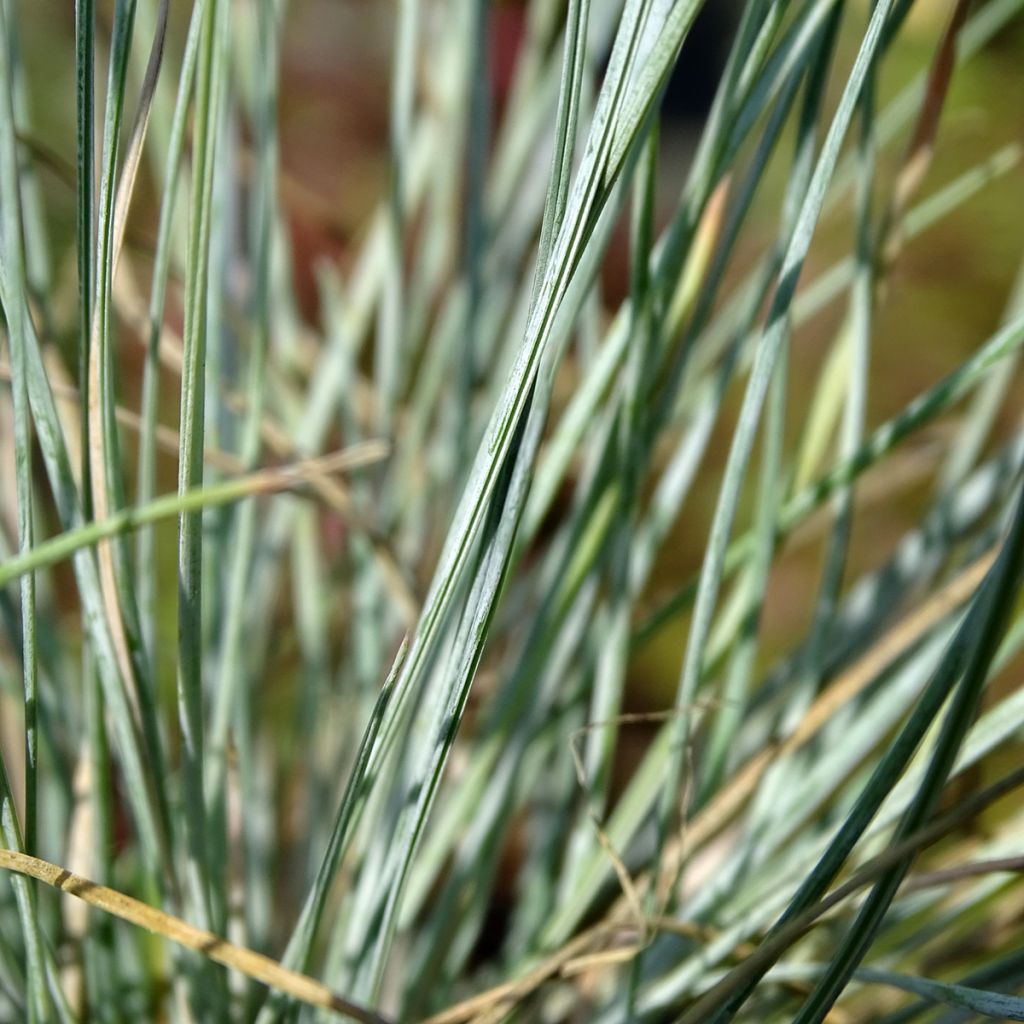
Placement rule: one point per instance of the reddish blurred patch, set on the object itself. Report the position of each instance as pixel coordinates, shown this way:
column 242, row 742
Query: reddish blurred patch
column 508, row 27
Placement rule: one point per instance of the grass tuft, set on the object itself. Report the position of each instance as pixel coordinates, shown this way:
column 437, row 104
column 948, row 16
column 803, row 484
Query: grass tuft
column 591, row 587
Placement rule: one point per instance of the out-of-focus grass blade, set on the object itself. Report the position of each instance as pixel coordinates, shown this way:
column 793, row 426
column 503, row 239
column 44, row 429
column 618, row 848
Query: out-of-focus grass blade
column 610, row 671
column 267, row 481
column 390, row 343
column 240, row 542
column 981, row 416
column 1005, row 972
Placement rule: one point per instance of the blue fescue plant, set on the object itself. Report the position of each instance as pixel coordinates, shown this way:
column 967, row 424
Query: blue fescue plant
column 343, row 725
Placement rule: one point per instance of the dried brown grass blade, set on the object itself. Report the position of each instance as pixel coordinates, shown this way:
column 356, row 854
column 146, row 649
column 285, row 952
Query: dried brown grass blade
column 248, row 962
column 512, row 992
column 133, row 152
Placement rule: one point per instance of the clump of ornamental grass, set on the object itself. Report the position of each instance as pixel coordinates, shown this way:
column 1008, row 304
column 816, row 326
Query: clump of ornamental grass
column 347, row 723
